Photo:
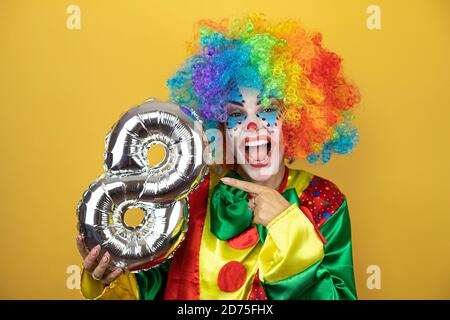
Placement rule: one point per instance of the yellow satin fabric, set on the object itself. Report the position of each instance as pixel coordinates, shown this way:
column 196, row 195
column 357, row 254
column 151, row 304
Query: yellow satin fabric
column 214, row 253
column 291, row 246
column 123, row 288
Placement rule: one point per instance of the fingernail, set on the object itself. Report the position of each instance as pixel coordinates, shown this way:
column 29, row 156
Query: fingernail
column 106, row 257
column 225, row 180
column 96, row 250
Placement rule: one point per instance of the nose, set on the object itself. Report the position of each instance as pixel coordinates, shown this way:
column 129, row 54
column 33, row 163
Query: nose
column 252, row 126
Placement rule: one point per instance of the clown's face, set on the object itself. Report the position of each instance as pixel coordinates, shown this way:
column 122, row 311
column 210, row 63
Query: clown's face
column 255, row 134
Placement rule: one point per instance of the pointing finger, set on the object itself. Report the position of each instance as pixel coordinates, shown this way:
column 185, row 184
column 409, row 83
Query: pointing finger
column 244, row 185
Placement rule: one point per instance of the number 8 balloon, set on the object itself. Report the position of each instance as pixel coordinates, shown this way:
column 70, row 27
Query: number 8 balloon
column 129, row 182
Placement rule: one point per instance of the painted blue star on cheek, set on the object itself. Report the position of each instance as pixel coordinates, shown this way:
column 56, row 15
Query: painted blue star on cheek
column 233, row 121
column 269, row 118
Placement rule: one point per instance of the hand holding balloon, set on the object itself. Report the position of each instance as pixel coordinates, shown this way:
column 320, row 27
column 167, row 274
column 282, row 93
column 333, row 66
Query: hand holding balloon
column 98, row 269
column 130, row 182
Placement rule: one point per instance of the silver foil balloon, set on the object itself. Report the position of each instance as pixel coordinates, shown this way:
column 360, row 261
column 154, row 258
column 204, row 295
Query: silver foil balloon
column 130, row 182
column 165, row 124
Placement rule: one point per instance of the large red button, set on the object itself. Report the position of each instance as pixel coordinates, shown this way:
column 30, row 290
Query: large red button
column 232, row 276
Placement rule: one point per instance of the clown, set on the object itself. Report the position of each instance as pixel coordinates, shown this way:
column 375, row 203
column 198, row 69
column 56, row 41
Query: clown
column 258, row 229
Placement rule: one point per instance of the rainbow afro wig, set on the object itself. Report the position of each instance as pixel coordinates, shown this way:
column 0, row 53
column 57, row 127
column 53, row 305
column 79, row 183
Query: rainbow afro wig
column 284, row 61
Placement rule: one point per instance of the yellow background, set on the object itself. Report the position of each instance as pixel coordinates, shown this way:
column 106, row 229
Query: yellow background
column 61, row 90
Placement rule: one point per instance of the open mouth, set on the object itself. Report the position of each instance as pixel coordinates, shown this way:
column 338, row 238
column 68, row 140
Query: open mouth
column 258, row 150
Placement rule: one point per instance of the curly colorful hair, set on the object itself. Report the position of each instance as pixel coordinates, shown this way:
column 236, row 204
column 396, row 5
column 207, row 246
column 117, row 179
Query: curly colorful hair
column 284, row 61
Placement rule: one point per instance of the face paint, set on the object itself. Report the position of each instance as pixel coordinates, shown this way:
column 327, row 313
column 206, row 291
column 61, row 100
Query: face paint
column 235, row 118
column 254, row 135
column 270, row 115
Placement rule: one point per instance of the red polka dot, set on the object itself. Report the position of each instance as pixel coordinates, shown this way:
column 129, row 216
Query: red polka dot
column 232, row 276
column 245, row 240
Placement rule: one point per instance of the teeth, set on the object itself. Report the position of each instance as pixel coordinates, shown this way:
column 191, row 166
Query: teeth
column 259, row 161
column 264, row 160
column 256, row 143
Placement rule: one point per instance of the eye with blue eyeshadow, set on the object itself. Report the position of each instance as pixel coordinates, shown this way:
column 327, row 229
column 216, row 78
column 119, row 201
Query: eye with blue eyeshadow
column 270, row 115
column 236, row 114
column 271, row 108
column 234, row 118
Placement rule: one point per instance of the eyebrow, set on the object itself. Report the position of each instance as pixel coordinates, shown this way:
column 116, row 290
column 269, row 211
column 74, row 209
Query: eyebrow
column 258, row 102
column 237, row 103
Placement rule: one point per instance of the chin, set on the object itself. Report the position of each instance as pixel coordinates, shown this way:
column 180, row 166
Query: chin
column 260, row 174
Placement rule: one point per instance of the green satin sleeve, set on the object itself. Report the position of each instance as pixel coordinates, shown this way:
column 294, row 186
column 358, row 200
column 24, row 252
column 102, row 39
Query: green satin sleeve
column 331, row 278
column 151, row 283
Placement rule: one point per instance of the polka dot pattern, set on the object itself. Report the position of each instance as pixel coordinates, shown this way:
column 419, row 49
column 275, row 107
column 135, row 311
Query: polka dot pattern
column 231, row 276
column 257, row 292
column 322, row 198
column 245, row 240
